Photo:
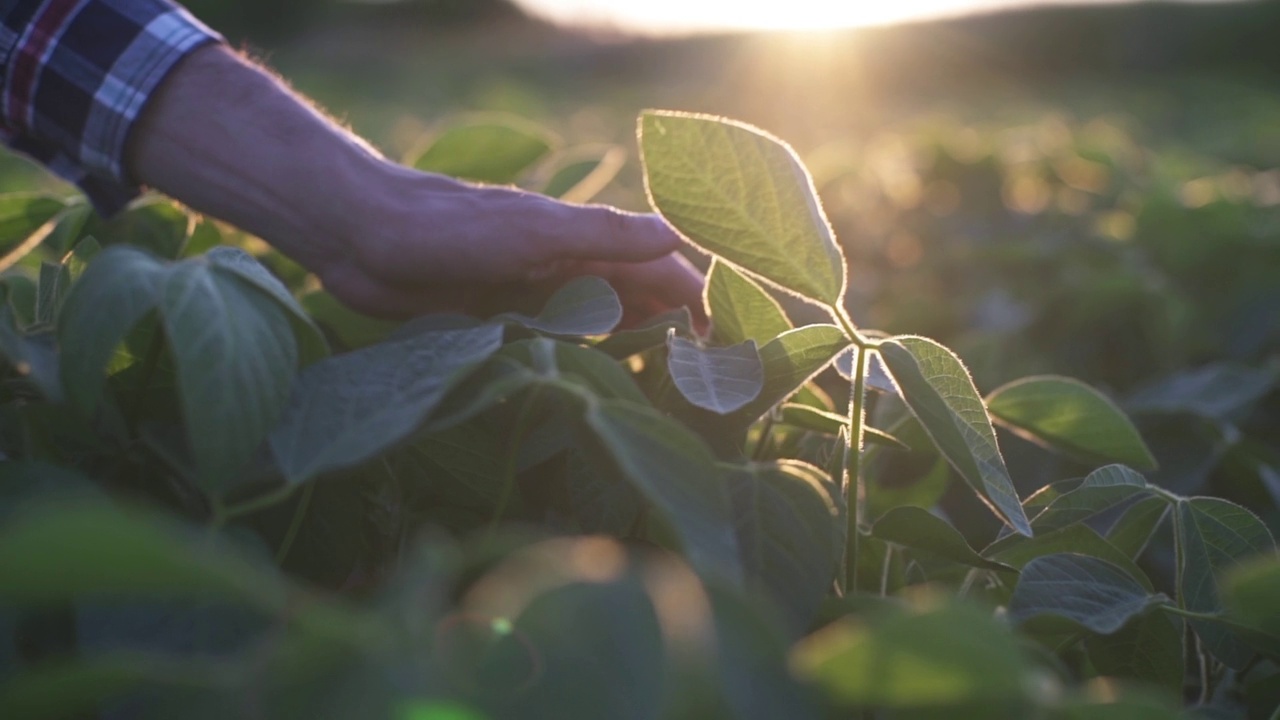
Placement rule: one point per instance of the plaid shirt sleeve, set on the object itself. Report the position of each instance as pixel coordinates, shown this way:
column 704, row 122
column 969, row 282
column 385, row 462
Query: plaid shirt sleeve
column 74, row 77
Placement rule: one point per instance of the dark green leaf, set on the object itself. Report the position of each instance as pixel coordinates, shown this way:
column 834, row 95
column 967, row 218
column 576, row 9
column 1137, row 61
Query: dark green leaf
column 1216, row 536
column 348, row 408
column 464, row 464
column 50, row 291
column 1250, row 592
column 583, row 306
column 739, row 309
column 677, row 474
column 353, row 329
column 235, row 355
column 584, row 173
column 311, row 342
column 21, row 214
column 743, row 196
column 1218, row 392
column 790, row 360
column 1102, row 490
column 957, row 658
column 718, row 379
column 786, row 516
column 1131, row 533
column 938, row 389
column 157, row 225
column 1017, row 551
column 495, row 149
column 1070, row 416
column 115, row 292
column 32, row 356
column 1147, row 650
column 919, row 529
column 1090, row 592
column 625, row 343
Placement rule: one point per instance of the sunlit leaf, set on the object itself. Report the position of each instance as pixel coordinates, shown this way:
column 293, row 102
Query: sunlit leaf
column 919, row 529
column 625, row 343
column 1088, row 591
column 489, row 149
column 1072, row 417
column 348, row 408
column 718, row 379
column 584, row 172
column 938, row 389
column 157, row 225
column 1216, row 536
column 790, row 360
column 583, row 306
column 739, row 309
column 743, row 196
column 21, row 214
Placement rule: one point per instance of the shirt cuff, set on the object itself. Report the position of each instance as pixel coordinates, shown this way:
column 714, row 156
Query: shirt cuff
column 78, row 77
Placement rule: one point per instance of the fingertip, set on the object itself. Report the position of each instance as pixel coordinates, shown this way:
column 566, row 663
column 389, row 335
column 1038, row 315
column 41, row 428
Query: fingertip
column 607, row 233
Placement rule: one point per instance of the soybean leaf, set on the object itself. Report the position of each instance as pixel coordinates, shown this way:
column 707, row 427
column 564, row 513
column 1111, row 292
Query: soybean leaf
column 1090, row 592
column 625, row 343
column 584, row 173
column 957, row 657
column 920, row 529
column 235, row 355
column 464, row 464
column 938, row 389
column 21, row 214
column 1220, row 391
column 348, row 408
column 119, row 287
column 1148, row 649
column 785, row 517
column 1069, row 416
column 675, row 472
column 353, row 330
column 790, row 360
column 1101, row 490
column 78, row 550
column 594, row 370
column 743, row 196
column 718, row 379
column 1250, row 593
column 494, row 381
column 153, row 224
column 583, row 306
column 311, row 342
column 50, row 291
column 601, row 502
column 1134, row 529
column 1017, row 551
column 1216, row 536
column 739, row 309
column 494, row 149
column 32, row 356
column 811, row 418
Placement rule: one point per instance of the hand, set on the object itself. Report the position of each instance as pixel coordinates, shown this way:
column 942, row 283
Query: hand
column 228, row 139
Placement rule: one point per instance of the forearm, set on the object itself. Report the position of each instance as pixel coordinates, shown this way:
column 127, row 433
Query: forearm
column 228, row 139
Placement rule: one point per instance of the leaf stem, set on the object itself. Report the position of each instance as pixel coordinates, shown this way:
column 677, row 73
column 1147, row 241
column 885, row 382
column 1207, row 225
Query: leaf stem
column 295, row 525
column 224, row 514
column 855, row 499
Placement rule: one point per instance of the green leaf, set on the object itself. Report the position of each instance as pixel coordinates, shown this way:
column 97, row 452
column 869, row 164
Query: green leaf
column 1148, row 649
column 348, row 408
column 495, row 149
column 625, row 343
column 116, row 291
column 1102, row 490
column 790, row 360
column 813, row 419
column 1090, row 592
column 33, row 356
column 583, row 306
column 1069, row 416
column 50, row 291
column 157, row 225
column 742, row 196
column 958, row 658
column 1018, row 551
column 786, row 517
column 584, row 172
column 1131, row 533
column 718, row 379
column 676, row 472
column 1220, row 391
column 235, row 355
column 739, row 309
column 65, row 551
column 1216, row 536
column 311, row 342
column 938, row 389
column 920, row 529
column 354, row 330
column 21, row 214
column 464, row 465
column 1250, row 591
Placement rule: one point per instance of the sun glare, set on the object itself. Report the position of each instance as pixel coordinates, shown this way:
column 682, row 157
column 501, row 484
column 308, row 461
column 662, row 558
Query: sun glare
column 679, row 16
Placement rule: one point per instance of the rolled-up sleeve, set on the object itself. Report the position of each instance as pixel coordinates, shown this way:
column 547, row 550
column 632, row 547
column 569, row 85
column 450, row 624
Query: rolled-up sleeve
column 76, row 76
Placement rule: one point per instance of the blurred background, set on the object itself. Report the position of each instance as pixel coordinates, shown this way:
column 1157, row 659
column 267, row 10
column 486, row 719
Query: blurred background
column 1091, row 189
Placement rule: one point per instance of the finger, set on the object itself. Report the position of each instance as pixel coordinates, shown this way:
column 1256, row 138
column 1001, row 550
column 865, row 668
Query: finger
column 602, row 233
column 392, row 302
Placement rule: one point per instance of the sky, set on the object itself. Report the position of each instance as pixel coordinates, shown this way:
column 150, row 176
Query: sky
column 683, row 16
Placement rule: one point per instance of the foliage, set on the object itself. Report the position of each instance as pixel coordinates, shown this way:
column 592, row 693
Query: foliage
column 222, row 499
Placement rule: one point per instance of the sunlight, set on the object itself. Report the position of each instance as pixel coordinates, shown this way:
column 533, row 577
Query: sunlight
column 678, row 16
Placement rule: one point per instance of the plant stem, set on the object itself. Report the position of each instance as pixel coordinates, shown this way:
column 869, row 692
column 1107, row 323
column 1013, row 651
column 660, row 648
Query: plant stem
column 295, row 525
column 224, row 514
column 762, row 443
column 855, row 497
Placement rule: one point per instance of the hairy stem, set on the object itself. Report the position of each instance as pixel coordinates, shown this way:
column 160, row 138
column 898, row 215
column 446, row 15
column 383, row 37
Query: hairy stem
column 855, row 497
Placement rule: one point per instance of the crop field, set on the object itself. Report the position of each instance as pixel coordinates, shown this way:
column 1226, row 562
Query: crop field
column 986, row 423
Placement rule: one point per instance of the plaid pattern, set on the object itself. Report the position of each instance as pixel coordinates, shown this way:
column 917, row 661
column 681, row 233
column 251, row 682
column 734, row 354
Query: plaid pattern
column 75, row 76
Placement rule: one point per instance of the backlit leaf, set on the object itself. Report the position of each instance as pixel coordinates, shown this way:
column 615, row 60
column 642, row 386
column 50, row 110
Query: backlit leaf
column 493, row 149
column 1018, row 551
column 743, row 196
column 1072, row 417
column 739, row 309
column 21, row 214
column 790, row 360
column 718, row 379
column 919, row 529
column 1088, row 591
column 1100, row 491
column 584, row 173
column 938, row 389
column 583, row 306
column 811, row 418
column 1133, row 530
